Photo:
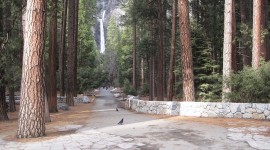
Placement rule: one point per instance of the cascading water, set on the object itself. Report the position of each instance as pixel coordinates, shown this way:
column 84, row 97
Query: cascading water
column 102, row 37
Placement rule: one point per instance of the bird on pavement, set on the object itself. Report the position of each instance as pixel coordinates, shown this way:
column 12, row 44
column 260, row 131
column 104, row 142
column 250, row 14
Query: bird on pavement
column 121, row 121
column 116, row 109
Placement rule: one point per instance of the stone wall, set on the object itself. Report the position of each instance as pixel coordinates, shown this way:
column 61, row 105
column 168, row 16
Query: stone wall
column 201, row 109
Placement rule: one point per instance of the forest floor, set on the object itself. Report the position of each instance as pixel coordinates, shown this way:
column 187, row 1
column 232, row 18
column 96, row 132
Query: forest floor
column 78, row 115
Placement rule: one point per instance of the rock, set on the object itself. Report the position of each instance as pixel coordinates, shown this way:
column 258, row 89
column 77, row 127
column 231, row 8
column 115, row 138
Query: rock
column 247, row 115
column 117, row 95
column 258, row 116
column 136, row 97
column 234, row 107
column 62, row 106
column 86, row 99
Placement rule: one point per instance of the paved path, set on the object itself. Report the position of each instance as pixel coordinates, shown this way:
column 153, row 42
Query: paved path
column 141, row 131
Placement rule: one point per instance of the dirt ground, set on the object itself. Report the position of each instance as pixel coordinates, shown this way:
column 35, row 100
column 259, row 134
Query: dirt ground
column 77, row 115
column 80, row 114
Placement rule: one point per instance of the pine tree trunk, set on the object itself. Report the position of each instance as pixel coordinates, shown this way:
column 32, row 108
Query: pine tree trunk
column 3, row 108
column 234, row 51
column 142, row 72
column 12, row 106
column 62, row 49
column 186, row 55
column 76, row 45
column 134, row 56
column 160, row 70
column 227, row 47
column 172, row 55
column 52, row 57
column 256, row 34
column 264, row 24
column 71, row 60
column 246, row 54
column 31, row 116
column 3, row 105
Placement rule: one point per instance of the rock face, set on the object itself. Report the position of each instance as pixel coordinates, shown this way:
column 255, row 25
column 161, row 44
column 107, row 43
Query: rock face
column 201, row 109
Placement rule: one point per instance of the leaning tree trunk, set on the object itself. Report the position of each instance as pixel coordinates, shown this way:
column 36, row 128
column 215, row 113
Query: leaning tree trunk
column 186, row 55
column 31, row 116
column 172, row 55
column 52, row 94
column 256, row 34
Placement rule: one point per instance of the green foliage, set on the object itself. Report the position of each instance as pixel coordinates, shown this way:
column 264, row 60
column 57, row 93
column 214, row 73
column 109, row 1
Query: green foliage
column 125, row 55
column 91, row 72
column 128, row 89
column 144, row 89
column 250, row 85
column 207, row 83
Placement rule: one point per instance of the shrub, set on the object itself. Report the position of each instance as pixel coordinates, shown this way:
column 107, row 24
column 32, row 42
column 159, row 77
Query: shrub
column 250, row 85
column 128, row 89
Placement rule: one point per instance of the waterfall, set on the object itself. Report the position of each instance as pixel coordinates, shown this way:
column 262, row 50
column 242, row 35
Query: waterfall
column 102, row 37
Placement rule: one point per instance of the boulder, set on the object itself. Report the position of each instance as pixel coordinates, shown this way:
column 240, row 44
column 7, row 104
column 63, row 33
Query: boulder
column 62, row 106
column 86, row 99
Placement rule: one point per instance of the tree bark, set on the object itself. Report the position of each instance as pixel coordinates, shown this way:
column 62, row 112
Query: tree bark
column 52, row 93
column 172, row 54
column 71, row 60
column 160, row 70
column 264, row 24
column 246, row 54
column 142, row 72
column 234, row 50
column 134, row 56
column 62, row 49
column 186, row 56
column 227, row 47
column 76, row 44
column 31, row 116
column 256, row 34
column 12, row 106
column 3, row 108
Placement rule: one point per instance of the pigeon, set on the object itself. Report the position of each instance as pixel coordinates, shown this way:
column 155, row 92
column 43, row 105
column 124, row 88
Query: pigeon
column 121, row 121
column 116, row 109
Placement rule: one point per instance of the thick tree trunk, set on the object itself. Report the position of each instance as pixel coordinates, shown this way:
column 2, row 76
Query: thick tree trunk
column 186, row 55
column 52, row 93
column 246, row 54
column 256, row 34
column 62, row 49
column 134, row 56
column 172, row 54
column 71, row 60
column 31, row 116
column 227, row 47
column 160, row 70
column 264, row 24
